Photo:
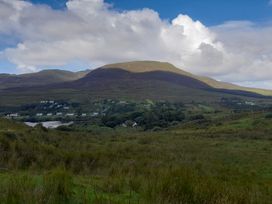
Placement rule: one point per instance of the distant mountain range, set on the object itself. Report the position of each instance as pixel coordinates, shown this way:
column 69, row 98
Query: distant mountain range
column 44, row 77
column 131, row 80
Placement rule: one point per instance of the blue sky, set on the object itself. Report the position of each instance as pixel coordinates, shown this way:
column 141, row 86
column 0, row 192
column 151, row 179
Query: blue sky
column 210, row 12
column 229, row 40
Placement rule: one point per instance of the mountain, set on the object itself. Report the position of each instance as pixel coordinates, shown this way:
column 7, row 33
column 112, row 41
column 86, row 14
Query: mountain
column 131, row 80
column 44, row 77
column 149, row 66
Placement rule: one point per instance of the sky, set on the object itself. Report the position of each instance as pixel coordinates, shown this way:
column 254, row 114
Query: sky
column 227, row 40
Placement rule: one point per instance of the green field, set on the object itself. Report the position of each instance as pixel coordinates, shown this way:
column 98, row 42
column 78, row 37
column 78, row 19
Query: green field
column 226, row 159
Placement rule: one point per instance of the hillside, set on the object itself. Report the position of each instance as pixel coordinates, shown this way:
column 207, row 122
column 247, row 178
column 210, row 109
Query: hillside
column 149, row 66
column 133, row 80
column 227, row 162
column 44, row 77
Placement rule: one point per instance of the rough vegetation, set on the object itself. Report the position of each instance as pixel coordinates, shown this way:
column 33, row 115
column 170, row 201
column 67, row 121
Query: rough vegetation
column 222, row 159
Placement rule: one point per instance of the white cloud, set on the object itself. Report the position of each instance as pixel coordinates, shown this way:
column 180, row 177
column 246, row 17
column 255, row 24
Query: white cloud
column 249, row 50
column 92, row 31
column 270, row 3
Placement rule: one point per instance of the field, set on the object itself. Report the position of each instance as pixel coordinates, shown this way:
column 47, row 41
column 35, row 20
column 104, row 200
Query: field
column 226, row 159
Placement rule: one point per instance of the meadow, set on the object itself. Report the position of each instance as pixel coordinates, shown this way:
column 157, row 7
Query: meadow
column 222, row 160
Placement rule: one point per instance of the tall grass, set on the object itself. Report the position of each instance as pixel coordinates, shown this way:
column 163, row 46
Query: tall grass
column 19, row 188
column 187, row 186
column 58, row 187
column 221, row 164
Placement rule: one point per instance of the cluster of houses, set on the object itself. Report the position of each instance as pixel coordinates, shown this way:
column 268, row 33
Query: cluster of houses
column 50, row 108
column 237, row 101
column 248, row 103
column 58, row 114
column 94, row 114
column 54, row 104
column 12, row 115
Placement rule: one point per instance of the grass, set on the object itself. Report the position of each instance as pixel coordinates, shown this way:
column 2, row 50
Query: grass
column 228, row 162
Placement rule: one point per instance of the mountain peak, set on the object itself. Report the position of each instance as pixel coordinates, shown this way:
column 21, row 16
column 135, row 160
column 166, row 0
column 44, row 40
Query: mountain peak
column 152, row 66
column 146, row 66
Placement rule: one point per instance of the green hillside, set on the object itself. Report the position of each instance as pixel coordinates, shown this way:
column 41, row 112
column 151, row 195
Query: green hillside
column 225, row 159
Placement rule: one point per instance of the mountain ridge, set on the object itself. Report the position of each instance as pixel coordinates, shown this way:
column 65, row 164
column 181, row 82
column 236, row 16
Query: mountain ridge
column 44, row 77
column 55, row 76
column 139, row 80
column 147, row 66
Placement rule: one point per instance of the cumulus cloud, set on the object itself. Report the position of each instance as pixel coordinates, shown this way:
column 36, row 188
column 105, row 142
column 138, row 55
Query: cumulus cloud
column 249, row 50
column 92, row 31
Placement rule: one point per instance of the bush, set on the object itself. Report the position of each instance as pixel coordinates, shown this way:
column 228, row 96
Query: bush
column 268, row 116
column 65, row 128
column 41, row 127
column 197, row 117
column 10, row 135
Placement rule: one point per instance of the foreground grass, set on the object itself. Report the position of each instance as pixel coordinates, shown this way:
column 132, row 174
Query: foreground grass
column 218, row 163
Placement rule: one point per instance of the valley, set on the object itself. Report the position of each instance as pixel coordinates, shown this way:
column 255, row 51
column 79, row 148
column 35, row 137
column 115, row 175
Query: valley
column 138, row 132
column 135, row 102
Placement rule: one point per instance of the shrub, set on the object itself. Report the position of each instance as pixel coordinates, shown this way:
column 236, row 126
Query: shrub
column 268, row 116
column 10, row 135
column 65, row 128
column 197, row 117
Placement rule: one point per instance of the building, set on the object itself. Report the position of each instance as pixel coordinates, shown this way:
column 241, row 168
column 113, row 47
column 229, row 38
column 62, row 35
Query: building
column 70, row 114
column 250, row 103
column 13, row 115
column 94, row 114
column 39, row 114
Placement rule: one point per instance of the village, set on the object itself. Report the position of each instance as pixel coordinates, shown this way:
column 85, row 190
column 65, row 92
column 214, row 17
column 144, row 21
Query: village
column 53, row 114
column 115, row 113
column 49, row 109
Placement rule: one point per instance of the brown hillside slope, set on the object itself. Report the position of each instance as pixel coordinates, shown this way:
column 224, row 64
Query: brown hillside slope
column 148, row 66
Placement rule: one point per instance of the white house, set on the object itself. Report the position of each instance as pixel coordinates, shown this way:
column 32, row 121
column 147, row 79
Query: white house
column 94, row 114
column 250, row 103
column 70, row 114
column 13, row 115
